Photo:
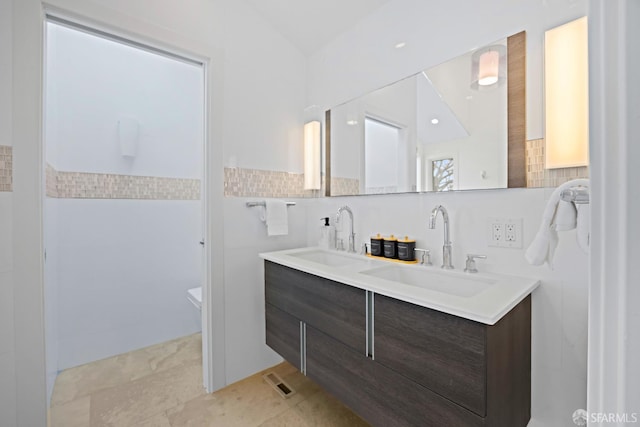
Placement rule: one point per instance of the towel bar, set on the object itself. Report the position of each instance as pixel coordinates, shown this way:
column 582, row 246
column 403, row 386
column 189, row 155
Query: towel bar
column 579, row 196
column 254, row 204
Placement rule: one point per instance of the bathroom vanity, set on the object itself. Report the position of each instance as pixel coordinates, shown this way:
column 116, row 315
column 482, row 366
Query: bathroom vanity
column 397, row 348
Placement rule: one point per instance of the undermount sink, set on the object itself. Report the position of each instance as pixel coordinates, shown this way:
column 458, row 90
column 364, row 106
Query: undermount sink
column 327, row 258
column 449, row 283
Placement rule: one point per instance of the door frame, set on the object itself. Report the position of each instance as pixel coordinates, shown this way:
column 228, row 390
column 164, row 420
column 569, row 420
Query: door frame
column 213, row 341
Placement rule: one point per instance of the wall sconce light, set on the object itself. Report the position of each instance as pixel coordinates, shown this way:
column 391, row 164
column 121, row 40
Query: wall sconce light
column 488, row 67
column 128, row 136
column 312, row 155
column 566, row 89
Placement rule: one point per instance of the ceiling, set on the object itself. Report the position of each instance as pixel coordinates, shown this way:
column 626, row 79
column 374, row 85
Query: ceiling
column 310, row 24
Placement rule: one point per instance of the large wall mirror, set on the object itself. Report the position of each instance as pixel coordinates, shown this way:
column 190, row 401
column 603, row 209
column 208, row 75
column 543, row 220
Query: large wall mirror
column 457, row 126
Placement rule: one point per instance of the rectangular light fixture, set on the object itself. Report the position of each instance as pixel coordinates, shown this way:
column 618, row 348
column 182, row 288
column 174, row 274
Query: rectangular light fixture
column 312, row 155
column 566, row 75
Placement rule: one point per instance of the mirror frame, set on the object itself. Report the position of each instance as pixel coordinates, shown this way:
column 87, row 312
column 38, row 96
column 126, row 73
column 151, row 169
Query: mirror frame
column 516, row 118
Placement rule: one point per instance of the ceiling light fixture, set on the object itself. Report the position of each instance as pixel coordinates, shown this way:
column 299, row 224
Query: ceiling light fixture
column 488, row 67
column 435, row 121
column 400, row 45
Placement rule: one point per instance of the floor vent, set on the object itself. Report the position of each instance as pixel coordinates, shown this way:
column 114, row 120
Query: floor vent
column 279, row 385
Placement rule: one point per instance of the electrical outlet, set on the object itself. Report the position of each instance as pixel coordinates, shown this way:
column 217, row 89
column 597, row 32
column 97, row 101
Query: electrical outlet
column 505, row 232
column 497, row 232
column 513, row 233
column 510, row 232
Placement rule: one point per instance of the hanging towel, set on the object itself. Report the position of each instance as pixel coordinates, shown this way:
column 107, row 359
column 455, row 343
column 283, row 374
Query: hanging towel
column 565, row 218
column 582, row 228
column 274, row 215
column 544, row 244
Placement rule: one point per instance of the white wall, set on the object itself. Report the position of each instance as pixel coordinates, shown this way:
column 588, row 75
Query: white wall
column 93, row 82
column 264, row 93
column 7, row 347
column 117, row 271
column 245, row 236
column 263, row 121
column 364, row 59
column 614, row 320
column 51, row 292
column 124, row 268
column 632, row 392
column 256, row 81
column 257, row 116
column 435, row 32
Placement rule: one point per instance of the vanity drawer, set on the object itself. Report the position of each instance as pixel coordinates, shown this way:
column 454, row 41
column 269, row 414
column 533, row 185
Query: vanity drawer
column 441, row 352
column 331, row 307
column 378, row 394
column 283, row 334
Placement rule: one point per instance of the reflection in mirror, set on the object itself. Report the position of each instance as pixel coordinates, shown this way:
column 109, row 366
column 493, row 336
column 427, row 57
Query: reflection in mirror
column 443, row 129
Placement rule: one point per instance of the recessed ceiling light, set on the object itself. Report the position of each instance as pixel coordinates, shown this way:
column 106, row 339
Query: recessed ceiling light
column 435, row 121
column 400, row 45
column 352, row 122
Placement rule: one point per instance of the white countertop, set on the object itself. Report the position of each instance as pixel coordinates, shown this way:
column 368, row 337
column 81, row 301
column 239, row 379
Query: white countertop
column 486, row 306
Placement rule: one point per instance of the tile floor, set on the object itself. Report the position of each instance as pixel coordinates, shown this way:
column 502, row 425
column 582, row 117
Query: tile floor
column 161, row 386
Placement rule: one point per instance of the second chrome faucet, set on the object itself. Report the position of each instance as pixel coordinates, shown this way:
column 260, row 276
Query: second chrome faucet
column 352, row 234
column 446, row 247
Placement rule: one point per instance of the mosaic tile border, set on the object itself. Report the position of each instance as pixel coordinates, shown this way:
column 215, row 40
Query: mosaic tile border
column 538, row 176
column 344, row 186
column 82, row 185
column 240, row 182
column 6, row 168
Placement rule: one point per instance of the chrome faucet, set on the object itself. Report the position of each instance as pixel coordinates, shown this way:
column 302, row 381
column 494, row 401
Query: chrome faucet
column 352, row 235
column 446, row 248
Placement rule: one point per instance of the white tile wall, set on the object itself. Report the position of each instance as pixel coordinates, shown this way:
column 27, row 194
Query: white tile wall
column 7, row 390
column 244, row 238
column 124, row 268
column 51, row 291
column 7, row 346
column 6, row 313
column 6, row 241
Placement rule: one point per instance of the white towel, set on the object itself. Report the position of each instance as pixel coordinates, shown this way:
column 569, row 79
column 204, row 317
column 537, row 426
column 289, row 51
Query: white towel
column 544, row 244
column 274, row 214
column 582, row 228
column 565, row 218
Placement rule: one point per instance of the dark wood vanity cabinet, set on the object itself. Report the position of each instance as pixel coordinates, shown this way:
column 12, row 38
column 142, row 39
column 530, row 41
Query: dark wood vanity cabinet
column 378, row 394
column 483, row 368
column 422, row 368
column 283, row 334
column 326, row 305
column 437, row 350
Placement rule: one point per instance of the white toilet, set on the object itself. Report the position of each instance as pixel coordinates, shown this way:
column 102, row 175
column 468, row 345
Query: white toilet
column 194, row 295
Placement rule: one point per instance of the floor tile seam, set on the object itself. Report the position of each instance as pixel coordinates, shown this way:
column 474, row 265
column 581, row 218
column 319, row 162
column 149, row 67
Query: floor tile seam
column 181, row 366
column 285, row 408
column 184, row 364
column 164, row 412
column 289, row 408
column 298, row 408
